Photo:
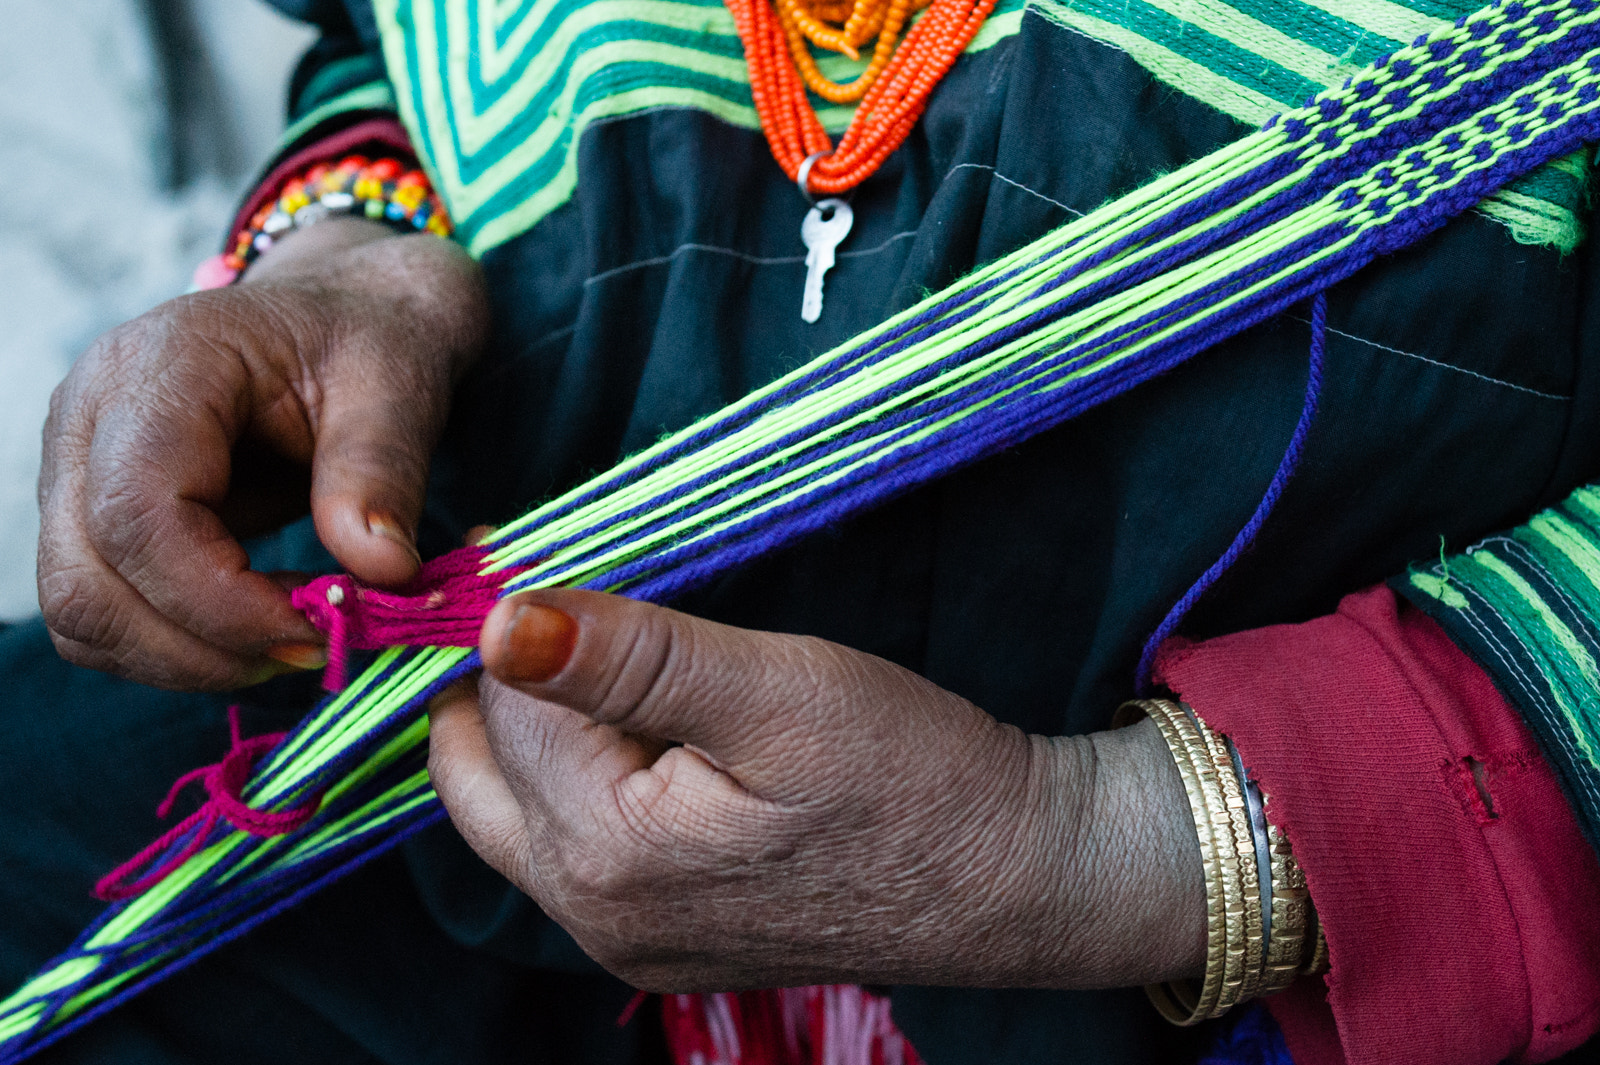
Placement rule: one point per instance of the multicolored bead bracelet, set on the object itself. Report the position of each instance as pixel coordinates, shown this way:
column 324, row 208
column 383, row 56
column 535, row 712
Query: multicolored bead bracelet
column 383, row 190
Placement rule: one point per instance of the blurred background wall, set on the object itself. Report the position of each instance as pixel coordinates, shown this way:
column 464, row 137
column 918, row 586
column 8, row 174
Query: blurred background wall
column 128, row 131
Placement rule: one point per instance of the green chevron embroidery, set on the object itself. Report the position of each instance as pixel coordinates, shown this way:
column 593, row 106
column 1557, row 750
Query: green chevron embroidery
column 497, row 93
column 1526, row 605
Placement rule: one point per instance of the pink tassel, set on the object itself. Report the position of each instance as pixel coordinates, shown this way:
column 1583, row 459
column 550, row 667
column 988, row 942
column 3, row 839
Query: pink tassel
column 840, row 1024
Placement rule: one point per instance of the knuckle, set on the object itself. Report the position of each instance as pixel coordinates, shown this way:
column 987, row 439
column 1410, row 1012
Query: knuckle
column 121, row 519
column 75, row 653
column 647, row 670
column 646, row 816
column 75, row 611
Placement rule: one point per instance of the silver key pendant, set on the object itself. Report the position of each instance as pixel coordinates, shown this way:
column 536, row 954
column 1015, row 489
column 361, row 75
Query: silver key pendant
column 826, row 225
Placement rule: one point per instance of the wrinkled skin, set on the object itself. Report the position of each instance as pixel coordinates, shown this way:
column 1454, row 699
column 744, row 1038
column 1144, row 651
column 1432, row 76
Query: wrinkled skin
column 322, row 381
column 703, row 807
column 706, row 807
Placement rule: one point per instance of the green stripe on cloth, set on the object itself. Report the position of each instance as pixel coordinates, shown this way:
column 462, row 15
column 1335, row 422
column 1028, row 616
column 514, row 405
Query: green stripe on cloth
column 335, row 79
column 1526, row 606
column 497, row 93
column 1298, row 48
column 374, row 96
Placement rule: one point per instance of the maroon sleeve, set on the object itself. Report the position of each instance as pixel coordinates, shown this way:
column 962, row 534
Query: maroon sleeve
column 1460, row 901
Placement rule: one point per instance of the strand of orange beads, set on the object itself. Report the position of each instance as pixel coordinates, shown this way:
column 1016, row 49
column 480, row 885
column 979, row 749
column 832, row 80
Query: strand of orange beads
column 860, row 23
column 891, row 102
column 893, row 92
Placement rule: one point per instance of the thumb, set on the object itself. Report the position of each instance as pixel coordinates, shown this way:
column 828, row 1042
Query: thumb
column 737, row 695
column 369, row 470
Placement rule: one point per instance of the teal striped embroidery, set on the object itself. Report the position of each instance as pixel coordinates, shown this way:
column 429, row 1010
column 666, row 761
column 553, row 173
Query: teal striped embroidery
column 1294, row 50
column 1526, row 605
column 497, row 96
column 373, row 96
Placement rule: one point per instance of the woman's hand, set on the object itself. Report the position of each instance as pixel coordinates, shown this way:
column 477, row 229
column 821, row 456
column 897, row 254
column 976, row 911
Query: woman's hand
column 710, row 808
column 323, row 380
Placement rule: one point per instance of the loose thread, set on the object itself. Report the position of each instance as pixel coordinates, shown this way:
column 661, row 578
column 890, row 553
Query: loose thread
column 223, row 783
column 1252, row 528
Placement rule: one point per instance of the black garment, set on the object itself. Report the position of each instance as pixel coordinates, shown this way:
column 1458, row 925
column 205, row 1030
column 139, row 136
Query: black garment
column 1462, row 393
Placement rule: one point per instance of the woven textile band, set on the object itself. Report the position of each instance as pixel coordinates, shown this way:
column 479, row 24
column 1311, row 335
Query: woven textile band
column 1526, row 606
column 1022, row 344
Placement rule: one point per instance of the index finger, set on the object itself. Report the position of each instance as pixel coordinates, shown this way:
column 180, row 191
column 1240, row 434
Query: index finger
column 154, row 479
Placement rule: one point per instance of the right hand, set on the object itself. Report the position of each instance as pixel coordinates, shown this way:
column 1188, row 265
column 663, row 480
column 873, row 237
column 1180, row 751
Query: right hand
column 320, row 382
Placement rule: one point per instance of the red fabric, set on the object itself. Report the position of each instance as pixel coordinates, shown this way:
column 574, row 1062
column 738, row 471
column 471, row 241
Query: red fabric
column 1455, row 936
column 382, row 132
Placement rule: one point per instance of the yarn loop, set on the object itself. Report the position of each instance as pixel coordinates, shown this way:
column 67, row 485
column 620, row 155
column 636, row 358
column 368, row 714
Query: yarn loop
column 224, row 785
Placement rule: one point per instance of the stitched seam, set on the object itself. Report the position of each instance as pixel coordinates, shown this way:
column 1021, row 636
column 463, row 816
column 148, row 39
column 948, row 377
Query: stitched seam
column 1442, row 365
column 755, row 260
column 1535, row 693
column 1032, row 192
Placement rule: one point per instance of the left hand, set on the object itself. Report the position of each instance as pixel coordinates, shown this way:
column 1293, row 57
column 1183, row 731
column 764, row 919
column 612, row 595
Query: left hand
column 711, row 808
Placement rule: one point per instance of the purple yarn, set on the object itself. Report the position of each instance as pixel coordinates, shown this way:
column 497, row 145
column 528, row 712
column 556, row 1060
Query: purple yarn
column 13, row 1052
column 1251, row 1038
column 221, row 910
column 1280, row 480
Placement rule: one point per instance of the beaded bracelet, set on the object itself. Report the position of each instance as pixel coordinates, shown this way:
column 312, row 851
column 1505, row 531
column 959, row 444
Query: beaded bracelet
column 1261, row 928
column 380, row 189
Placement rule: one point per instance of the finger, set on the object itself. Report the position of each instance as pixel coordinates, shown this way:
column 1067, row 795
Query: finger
column 148, row 491
column 588, row 789
column 471, row 785
column 737, row 695
column 376, row 428
column 98, row 621
column 554, row 757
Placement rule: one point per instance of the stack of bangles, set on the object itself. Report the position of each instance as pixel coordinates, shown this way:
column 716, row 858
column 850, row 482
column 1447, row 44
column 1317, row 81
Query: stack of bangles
column 384, row 190
column 1261, row 929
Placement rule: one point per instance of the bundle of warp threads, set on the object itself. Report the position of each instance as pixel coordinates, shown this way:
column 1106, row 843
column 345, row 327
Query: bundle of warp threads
column 1056, row 328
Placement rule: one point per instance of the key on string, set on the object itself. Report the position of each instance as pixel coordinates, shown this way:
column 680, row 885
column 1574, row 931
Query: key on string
column 826, row 225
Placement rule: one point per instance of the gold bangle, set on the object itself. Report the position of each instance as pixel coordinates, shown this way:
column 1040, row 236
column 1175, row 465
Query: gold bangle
column 1251, row 950
column 1247, row 880
column 1291, row 909
column 1317, row 962
column 1180, row 1001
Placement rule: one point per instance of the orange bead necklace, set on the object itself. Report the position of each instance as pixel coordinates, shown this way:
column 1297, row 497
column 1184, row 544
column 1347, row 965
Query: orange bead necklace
column 893, row 92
